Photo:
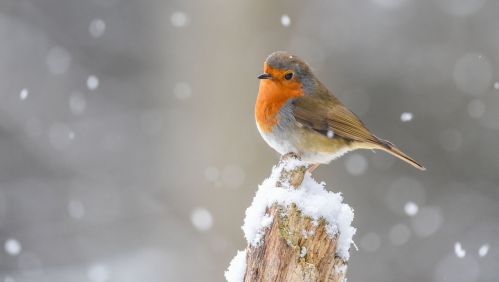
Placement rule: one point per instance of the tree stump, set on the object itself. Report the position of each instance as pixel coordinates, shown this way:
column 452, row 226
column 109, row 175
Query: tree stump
column 294, row 246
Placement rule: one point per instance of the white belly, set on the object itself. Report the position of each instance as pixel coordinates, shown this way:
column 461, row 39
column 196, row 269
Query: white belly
column 281, row 145
column 323, row 158
column 284, row 145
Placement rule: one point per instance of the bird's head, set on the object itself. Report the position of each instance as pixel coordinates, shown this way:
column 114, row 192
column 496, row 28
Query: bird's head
column 288, row 71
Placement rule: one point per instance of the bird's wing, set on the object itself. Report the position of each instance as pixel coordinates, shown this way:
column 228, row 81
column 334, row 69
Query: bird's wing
column 325, row 115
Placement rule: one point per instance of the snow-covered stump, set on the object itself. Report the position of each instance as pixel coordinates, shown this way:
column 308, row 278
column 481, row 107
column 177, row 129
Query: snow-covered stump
column 296, row 230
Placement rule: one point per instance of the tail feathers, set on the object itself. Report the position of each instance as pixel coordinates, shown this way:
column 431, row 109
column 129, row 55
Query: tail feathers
column 388, row 147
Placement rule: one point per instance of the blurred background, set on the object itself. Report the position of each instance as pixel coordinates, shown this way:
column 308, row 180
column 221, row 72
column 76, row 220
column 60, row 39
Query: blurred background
column 129, row 151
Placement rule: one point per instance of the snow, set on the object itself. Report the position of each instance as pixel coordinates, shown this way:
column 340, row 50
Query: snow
column 303, row 251
column 237, row 268
column 411, row 208
column 459, row 251
column 310, row 197
column 202, row 219
column 330, row 134
column 23, row 94
column 341, row 269
column 406, row 117
column 266, row 221
column 12, row 247
column 285, row 20
column 307, row 234
column 483, row 251
column 92, row 82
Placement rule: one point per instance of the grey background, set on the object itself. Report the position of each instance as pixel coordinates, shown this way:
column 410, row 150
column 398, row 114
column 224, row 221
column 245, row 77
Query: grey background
column 147, row 177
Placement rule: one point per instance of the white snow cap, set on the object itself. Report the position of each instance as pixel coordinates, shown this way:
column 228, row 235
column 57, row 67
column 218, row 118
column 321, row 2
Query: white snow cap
column 310, row 198
column 237, row 268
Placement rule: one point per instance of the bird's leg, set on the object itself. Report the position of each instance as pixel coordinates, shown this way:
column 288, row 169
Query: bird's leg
column 312, row 167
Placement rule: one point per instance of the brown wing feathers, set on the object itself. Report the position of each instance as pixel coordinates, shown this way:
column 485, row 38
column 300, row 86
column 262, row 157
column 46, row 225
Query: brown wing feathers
column 332, row 115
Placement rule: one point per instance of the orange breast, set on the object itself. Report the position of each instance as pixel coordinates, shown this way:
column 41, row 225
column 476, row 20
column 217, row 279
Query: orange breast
column 272, row 95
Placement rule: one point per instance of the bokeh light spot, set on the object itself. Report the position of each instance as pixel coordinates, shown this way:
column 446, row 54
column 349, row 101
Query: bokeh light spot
column 202, row 219
column 473, row 73
column 12, row 247
column 356, row 164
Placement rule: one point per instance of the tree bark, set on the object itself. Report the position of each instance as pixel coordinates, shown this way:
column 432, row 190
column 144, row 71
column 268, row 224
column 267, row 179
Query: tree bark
column 294, row 247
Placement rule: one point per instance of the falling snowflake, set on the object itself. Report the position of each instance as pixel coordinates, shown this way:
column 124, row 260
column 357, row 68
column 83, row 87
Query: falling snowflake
column 459, row 251
column 406, row 117
column 23, row 94
column 202, row 219
column 484, row 250
column 12, row 247
column 92, row 82
column 285, row 20
column 411, row 208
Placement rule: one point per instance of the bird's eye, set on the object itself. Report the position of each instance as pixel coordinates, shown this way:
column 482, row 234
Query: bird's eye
column 288, row 76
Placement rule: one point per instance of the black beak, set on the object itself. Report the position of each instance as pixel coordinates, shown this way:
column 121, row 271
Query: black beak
column 264, row 76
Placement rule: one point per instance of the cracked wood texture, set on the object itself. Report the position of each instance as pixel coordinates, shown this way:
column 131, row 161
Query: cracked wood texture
column 294, row 247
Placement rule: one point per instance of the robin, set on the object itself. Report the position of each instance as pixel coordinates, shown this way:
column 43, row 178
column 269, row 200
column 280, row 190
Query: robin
column 296, row 113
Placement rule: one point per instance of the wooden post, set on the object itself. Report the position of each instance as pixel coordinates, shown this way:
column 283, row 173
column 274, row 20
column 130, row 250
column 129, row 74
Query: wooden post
column 294, row 247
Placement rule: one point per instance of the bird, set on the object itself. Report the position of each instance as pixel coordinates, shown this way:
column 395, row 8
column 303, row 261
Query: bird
column 295, row 113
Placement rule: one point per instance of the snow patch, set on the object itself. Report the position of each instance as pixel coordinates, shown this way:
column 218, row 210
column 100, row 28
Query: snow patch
column 406, row 116
column 285, row 20
column 12, row 247
column 237, row 268
column 92, row 82
column 341, row 269
column 330, row 134
column 484, row 250
column 202, row 219
column 311, row 198
column 411, row 208
column 458, row 249
column 23, row 94
column 303, row 252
